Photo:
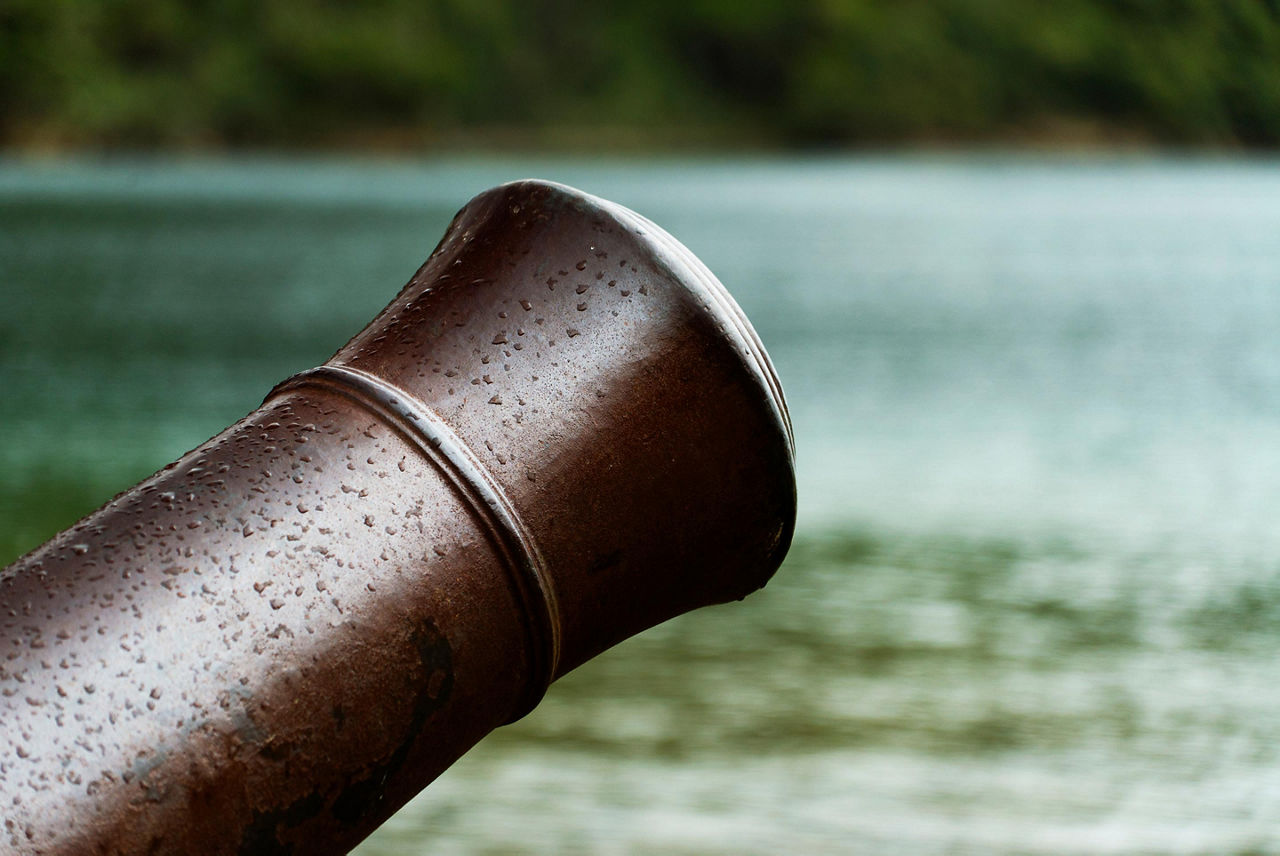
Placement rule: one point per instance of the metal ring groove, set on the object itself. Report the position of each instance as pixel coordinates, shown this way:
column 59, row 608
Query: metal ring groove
column 699, row 278
column 438, row 443
column 722, row 304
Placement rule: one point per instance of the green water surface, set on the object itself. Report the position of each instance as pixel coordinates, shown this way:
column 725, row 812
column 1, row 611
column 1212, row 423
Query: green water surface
column 1034, row 602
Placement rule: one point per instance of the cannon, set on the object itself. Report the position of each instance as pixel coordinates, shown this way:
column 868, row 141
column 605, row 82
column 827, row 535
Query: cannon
column 561, row 432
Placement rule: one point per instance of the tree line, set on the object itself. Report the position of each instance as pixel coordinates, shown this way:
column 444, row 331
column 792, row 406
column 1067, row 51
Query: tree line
column 664, row 73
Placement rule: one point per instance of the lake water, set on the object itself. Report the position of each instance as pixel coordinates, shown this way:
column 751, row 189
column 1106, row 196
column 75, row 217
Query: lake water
column 1033, row 605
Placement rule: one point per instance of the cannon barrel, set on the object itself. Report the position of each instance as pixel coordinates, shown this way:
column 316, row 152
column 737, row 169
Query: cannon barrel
column 561, row 432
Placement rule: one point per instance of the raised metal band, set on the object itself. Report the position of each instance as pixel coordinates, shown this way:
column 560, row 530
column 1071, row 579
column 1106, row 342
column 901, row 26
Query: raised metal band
column 479, row 490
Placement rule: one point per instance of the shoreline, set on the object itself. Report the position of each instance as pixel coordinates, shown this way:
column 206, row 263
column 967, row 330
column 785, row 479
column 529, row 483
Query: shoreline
column 1050, row 135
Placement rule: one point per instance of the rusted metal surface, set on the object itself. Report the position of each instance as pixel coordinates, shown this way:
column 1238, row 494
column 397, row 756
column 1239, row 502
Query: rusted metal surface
column 561, row 432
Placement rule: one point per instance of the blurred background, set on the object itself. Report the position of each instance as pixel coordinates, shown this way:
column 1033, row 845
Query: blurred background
column 1017, row 264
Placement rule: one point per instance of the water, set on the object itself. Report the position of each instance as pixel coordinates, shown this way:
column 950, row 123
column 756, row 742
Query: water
column 1034, row 602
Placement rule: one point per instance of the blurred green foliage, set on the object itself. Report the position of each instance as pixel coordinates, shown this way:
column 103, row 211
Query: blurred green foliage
column 767, row 72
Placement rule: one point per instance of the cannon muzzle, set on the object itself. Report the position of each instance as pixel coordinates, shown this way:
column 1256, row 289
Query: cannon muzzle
column 561, row 432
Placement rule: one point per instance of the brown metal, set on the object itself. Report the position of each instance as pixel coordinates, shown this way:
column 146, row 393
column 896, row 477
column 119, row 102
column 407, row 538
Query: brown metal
column 561, row 432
